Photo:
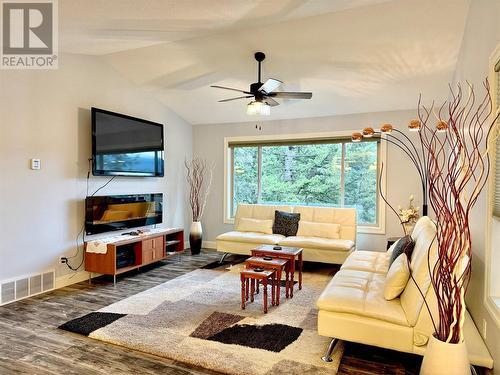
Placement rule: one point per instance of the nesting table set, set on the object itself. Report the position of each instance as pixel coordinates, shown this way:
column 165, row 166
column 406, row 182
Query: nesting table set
column 266, row 267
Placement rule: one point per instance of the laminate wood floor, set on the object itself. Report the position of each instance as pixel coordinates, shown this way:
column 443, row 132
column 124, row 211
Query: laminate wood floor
column 31, row 343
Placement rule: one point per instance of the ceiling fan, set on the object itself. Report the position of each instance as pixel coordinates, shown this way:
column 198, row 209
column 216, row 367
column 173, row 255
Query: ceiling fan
column 263, row 93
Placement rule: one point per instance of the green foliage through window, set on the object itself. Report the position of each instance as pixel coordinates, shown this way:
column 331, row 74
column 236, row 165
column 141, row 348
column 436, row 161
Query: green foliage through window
column 320, row 174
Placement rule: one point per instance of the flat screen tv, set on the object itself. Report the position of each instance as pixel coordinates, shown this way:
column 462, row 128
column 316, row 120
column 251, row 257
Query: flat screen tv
column 118, row 212
column 125, row 146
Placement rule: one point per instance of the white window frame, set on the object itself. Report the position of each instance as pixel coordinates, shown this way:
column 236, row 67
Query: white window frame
column 228, row 165
column 491, row 301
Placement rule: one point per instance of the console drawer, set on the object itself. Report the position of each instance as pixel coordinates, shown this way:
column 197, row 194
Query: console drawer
column 153, row 243
column 148, row 255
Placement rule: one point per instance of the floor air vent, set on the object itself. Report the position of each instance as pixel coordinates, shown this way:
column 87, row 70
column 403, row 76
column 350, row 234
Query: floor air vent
column 17, row 289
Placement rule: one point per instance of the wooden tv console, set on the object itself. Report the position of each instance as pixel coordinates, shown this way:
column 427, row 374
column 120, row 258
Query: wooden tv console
column 147, row 248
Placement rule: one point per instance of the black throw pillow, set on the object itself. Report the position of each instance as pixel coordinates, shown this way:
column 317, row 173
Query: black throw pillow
column 286, row 223
column 404, row 246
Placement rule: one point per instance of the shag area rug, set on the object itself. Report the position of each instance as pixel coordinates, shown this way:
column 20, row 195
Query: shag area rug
column 197, row 319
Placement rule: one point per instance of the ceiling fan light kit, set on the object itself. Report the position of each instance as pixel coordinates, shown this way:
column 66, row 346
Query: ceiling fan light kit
column 258, row 108
column 263, row 93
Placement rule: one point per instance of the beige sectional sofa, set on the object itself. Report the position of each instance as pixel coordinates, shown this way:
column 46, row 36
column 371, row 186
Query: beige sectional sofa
column 352, row 307
column 316, row 249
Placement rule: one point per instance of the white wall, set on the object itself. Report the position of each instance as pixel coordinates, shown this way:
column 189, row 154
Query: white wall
column 481, row 36
column 402, row 179
column 46, row 115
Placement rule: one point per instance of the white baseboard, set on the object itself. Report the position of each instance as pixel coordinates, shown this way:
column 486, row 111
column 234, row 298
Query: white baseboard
column 77, row 277
column 73, row 278
column 209, row 245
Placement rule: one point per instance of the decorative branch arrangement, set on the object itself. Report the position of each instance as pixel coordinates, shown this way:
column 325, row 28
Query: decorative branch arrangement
column 457, row 163
column 199, row 177
column 453, row 164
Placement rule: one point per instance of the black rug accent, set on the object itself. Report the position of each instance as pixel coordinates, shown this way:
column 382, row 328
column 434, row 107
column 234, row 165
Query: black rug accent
column 231, row 259
column 214, row 265
column 89, row 323
column 271, row 337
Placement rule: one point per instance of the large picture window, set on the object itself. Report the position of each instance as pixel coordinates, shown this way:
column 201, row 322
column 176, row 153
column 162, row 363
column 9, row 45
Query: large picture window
column 492, row 295
column 330, row 172
column 496, row 169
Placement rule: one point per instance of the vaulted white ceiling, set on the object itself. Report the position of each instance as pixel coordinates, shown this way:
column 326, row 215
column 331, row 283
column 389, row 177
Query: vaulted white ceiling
column 355, row 56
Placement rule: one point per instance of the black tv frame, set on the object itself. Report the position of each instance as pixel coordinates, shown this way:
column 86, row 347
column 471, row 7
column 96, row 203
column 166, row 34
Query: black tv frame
column 91, row 228
column 160, row 173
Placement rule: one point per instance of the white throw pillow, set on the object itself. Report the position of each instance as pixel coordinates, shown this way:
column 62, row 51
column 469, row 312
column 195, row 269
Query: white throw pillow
column 246, row 224
column 397, row 278
column 323, row 230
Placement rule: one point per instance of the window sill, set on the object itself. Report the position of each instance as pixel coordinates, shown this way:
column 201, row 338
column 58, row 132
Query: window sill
column 370, row 230
column 493, row 307
column 228, row 220
column 361, row 229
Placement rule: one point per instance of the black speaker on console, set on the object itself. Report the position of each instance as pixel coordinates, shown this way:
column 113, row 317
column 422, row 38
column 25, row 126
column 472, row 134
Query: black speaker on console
column 125, row 257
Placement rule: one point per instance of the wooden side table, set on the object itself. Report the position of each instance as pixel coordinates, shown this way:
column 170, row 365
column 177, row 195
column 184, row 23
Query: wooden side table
column 274, row 264
column 288, row 253
column 249, row 276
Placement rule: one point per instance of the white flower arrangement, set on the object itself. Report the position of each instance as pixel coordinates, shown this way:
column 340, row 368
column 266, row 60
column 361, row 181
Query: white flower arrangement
column 409, row 215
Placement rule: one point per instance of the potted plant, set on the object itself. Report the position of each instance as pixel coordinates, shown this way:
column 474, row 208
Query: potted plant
column 453, row 163
column 408, row 216
column 457, row 162
column 199, row 178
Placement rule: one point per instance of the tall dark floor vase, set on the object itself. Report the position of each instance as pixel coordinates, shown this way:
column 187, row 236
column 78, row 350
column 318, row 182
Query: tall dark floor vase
column 195, row 237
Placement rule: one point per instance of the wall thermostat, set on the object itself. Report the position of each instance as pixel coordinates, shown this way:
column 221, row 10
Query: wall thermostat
column 35, row 164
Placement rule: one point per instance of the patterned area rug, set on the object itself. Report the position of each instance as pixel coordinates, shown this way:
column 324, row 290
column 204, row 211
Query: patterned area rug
column 197, row 319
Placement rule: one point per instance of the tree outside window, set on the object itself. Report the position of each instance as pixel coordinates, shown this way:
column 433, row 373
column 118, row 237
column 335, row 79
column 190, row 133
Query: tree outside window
column 335, row 174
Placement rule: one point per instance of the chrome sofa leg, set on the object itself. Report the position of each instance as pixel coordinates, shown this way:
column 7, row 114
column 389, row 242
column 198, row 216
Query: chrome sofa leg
column 223, row 257
column 328, row 355
column 473, row 370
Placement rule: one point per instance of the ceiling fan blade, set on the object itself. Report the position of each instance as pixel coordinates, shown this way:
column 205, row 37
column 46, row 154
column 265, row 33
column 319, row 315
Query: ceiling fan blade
column 229, row 88
column 239, row 97
column 270, row 85
column 271, row 102
column 292, row 95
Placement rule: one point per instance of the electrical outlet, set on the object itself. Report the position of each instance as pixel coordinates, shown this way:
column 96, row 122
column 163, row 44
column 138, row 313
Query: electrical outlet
column 63, row 260
column 35, row 164
column 484, row 329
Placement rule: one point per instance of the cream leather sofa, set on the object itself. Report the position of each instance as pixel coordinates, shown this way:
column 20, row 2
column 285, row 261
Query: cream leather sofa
column 316, row 249
column 353, row 308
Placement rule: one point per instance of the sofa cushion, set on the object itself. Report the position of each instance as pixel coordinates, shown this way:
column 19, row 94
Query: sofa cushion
column 286, row 223
column 368, row 261
column 251, row 237
column 246, row 224
column 403, row 246
column 317, row 243
column 425, row 251
column 258, row 211
column 345, row 217
column 361, row 293
column 322, row 230
column 397, row 277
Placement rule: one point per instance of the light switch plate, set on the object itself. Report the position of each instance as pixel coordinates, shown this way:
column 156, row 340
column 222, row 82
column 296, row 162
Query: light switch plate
column 35, row 164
